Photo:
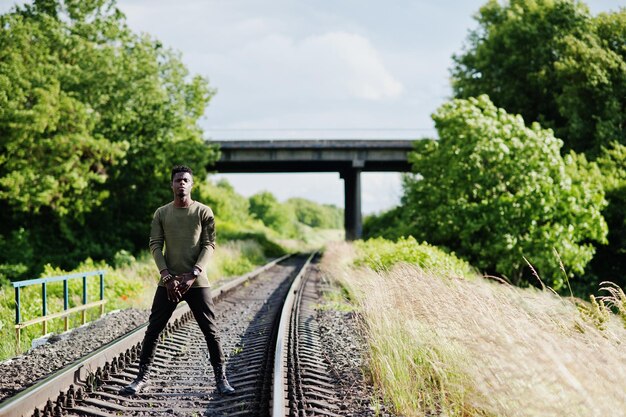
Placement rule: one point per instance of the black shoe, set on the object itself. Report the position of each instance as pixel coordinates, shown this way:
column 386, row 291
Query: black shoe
column 139, row 384
column 223, row 387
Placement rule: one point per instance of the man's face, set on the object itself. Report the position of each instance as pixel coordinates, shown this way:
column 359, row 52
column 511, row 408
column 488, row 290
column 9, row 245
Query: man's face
column 182, row 183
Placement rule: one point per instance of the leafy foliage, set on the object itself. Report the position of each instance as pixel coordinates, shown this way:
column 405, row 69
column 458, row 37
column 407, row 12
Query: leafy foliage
column 495, row 191
column 226, row 203
column 271, row 248
column 609, row 264
column 390, row 224
column 52, row 154
column 551, row 62
column 237, row 258
column 325, row 216
column 263, row 218
column 382, row 254
column 276, row 216
column 92, row 117
column 294, row 217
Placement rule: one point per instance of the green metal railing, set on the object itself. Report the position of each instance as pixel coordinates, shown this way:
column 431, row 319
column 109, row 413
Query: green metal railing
column 19, row 325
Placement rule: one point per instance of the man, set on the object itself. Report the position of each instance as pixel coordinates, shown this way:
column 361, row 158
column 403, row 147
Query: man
column 187, row 229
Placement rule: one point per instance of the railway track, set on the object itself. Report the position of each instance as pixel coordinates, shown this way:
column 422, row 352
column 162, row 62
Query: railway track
column 268, row 332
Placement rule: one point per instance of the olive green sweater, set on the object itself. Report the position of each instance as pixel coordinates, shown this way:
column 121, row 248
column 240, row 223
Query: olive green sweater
column 188, row 235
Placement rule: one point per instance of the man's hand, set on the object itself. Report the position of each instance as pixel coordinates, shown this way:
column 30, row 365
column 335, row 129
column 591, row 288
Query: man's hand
column 186, row 281
column 173, row 293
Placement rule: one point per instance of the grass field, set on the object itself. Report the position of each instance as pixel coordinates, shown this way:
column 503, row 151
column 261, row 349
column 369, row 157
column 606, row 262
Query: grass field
column 442, row 344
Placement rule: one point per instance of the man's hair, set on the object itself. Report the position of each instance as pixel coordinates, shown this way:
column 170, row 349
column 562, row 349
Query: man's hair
column 181, row 168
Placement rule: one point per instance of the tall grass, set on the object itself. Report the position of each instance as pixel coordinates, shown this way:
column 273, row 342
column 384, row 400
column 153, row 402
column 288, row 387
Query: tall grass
column 615, row 298
column 311, row 239
column 444, row 345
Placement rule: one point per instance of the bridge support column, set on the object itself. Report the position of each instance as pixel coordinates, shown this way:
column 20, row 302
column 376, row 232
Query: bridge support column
column 352, row 194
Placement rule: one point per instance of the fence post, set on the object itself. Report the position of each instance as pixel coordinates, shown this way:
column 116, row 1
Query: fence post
column 101, row 292
column 18, row 316
column 44, row 307
column 84, row 298
column 66, row 304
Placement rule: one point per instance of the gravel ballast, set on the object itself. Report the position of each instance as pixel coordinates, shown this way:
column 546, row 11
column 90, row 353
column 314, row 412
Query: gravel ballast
column 346, row 356
column 340, row 331
column 23, row 371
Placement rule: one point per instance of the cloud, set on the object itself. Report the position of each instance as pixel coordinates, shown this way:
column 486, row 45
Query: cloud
column 352, row 61
column 336, row 65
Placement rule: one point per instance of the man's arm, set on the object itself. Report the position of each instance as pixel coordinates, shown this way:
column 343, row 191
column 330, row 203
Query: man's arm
column 207, row 240
column 157, row 241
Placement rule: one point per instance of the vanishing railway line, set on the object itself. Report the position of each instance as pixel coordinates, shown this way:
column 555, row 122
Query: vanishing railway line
column 268, row 332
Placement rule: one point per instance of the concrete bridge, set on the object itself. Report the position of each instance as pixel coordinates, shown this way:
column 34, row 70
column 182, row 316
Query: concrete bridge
column 347, row 157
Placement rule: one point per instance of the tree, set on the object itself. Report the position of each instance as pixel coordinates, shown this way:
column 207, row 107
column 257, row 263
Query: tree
column 390, row 223
column 551, row 62
column 226, row 203
column 591, row 74
column 92, row 117
column 609, row 264
column 325, row 216
column 52, row 155
column 274, row 215
column 495, row 191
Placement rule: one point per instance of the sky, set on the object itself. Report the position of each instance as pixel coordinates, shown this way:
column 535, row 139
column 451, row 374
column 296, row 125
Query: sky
column 327, row 69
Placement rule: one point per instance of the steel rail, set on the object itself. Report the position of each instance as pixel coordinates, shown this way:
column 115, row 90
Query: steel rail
column 279, row 385
column 23, row 403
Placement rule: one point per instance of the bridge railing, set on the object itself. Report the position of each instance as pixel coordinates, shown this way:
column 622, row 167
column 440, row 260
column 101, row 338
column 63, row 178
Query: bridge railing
column 45, row 317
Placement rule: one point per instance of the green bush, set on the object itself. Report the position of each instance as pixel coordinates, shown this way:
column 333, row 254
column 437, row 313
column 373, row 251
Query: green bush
column 15, row 247
column 226, row 203
column 123, row 258
column 236, row 258
column 279, row 217
column 496, row 191
column 382, row 254
column 9, row 272
column 324, row 216
column 228, row 231
column 609, row 263
column 390, row 224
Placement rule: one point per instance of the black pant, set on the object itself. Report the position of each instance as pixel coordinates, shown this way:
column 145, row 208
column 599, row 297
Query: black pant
column 201, row 305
